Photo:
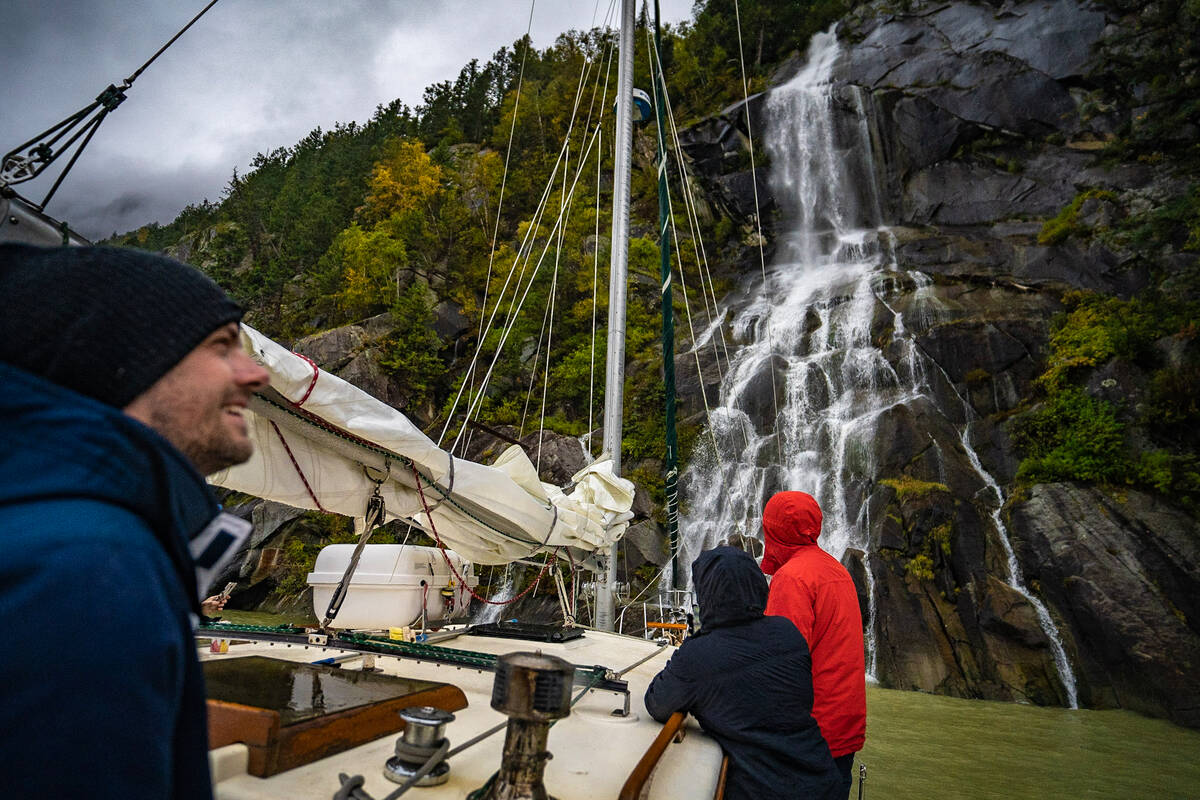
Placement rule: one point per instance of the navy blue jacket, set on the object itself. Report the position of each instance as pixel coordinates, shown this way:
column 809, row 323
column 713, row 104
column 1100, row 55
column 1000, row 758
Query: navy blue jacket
column 103, row 696
column 748, row 680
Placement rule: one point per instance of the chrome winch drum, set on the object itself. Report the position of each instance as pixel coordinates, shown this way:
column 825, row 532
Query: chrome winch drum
column 423, row 736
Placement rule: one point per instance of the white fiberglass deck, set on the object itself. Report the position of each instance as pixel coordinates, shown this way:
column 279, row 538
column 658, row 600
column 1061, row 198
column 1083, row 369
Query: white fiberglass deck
column 593, row 751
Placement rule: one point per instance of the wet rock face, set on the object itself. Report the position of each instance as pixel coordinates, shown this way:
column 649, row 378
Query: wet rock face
column 944, row 622
column 1123, row 577
column 965, row 100
column 1006, row 70
column 983, row 126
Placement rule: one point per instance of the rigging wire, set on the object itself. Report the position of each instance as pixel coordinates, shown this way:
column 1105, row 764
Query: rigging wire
column 550, row 314
column 522, row 259
column 565, row 205
column 499, row 210
column 708, row 289
column 679, row 259
column 16, row 168
column 762, row 260
column 516, row 304
column 596, row 249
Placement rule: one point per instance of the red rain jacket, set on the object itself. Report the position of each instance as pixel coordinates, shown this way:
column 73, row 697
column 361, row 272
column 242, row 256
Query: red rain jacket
column 816, row 593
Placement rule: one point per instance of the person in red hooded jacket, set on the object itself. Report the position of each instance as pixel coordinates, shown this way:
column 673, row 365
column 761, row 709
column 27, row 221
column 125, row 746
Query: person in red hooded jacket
column 817, row 594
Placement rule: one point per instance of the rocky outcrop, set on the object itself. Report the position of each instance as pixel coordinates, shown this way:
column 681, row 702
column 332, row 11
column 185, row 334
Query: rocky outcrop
column 1122, row 576
column 352, row 353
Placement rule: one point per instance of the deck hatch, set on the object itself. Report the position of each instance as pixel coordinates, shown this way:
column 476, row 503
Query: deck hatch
column 290, row 713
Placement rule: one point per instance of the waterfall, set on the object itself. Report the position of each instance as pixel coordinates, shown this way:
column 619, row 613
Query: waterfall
column 490, row 612
column 806, row 341
column 806, row 337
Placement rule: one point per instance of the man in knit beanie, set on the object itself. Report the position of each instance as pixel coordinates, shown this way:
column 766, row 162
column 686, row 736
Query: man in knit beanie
column 123, row 383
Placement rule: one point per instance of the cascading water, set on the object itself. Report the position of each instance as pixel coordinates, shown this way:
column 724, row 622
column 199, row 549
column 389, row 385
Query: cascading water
column 491, row 612
column 806, row 339
column 805, row 344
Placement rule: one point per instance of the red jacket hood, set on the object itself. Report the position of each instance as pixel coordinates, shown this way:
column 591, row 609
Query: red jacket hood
column 791, row 520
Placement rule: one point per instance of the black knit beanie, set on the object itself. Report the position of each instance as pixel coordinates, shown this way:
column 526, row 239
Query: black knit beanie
column 106, row 322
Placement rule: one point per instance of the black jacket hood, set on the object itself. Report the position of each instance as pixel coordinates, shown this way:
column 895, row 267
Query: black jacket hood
column 730, row 587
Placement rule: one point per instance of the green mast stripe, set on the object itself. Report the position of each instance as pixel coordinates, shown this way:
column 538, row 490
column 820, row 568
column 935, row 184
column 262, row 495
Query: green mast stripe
column 670, row 462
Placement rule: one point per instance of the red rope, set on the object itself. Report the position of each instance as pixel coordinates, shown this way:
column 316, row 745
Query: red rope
column 311, row 384
column 450, row 564
column 299, row 471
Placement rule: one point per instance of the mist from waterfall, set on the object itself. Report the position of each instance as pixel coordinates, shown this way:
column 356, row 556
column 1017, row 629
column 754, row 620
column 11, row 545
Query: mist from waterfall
column 806, row 385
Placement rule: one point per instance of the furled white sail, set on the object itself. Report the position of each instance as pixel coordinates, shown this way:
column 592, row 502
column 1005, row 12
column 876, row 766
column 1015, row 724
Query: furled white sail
column 322, row 443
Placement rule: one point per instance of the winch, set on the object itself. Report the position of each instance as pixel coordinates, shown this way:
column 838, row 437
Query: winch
column 422, row 738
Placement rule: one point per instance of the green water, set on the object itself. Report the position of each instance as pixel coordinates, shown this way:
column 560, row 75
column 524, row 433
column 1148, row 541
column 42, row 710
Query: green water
column 266, row 618
column 924, row 747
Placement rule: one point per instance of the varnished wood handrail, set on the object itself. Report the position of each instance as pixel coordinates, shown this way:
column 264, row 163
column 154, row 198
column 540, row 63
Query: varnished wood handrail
column 632, row 789
column 719, row 794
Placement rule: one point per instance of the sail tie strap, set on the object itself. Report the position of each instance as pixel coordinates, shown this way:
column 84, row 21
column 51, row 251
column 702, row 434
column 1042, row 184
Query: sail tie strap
column 373, row 517
column 311, row 384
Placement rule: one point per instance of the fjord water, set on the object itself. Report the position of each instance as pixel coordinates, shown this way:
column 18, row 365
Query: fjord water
column 925, row 747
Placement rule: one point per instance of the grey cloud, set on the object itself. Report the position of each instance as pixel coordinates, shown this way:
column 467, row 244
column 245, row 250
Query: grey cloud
column 251, row 76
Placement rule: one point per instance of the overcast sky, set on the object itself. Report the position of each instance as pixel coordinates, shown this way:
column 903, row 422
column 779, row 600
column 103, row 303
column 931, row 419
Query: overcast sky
column 250, row 76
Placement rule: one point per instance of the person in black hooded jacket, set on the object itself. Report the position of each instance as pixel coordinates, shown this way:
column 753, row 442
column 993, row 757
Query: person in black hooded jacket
column 747, row 678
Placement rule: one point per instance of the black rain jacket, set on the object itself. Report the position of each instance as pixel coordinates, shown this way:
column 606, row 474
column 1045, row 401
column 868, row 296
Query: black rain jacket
column 747, row 679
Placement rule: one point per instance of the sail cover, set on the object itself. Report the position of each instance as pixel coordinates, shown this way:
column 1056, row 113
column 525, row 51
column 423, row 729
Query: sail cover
column 322, row 443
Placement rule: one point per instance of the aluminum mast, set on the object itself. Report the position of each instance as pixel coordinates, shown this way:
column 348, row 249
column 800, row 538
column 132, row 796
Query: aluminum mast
column 614, row 385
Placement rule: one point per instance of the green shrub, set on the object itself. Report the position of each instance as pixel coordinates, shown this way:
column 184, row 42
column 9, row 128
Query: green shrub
column 910, row 488
column 1096, row 328
column 941, row 536
column 1072, row 437
column 1066, row 222
column 920, row 567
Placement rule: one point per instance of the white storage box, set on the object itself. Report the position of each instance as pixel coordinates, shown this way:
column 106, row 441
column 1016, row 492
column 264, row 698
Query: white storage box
column 391, row 585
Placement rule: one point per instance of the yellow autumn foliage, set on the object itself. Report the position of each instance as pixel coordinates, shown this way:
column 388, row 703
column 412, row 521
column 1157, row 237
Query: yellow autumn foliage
column 405, row 180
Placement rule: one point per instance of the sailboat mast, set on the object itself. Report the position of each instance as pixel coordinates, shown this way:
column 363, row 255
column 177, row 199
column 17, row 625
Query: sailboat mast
column 614, row 383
